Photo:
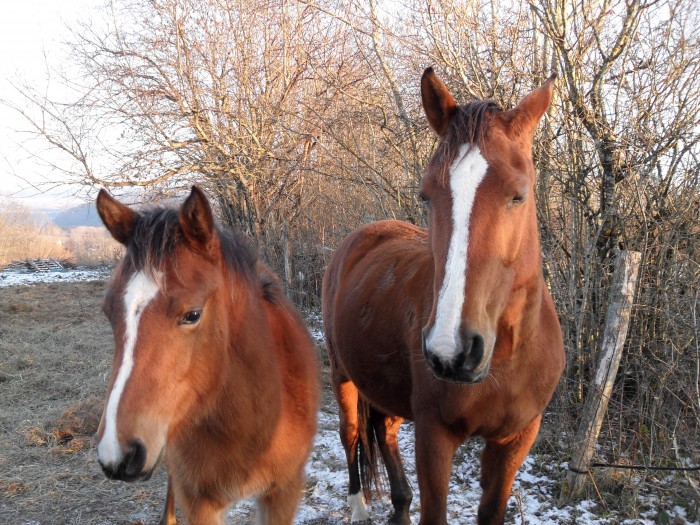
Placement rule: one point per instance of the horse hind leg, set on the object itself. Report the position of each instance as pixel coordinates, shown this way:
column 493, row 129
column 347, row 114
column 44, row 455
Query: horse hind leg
column 500, row 462
column 386, row 429
column 347, row 396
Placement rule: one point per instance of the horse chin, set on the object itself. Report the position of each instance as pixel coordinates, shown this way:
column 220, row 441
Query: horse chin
column 147, row 474
column 463, row 377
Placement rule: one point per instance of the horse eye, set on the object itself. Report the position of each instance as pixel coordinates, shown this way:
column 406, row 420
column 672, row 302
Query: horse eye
column 516, row 200
column 191, row 317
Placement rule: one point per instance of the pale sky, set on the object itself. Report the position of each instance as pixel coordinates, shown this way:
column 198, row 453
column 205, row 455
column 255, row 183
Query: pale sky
column 32, row 33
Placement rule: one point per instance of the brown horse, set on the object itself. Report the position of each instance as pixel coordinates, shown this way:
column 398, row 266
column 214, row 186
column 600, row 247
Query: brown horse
column 214, row 372
column 452, row 327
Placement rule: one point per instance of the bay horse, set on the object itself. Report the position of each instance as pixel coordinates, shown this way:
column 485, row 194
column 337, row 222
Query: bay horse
column 451, row 327
column 214, row 372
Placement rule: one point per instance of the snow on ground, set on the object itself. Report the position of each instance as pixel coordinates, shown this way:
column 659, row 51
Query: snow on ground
column 19, row 278
column 533, row 499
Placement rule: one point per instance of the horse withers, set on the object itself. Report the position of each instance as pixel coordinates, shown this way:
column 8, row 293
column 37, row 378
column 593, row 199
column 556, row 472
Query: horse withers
column 452, row 327
column 214, row 371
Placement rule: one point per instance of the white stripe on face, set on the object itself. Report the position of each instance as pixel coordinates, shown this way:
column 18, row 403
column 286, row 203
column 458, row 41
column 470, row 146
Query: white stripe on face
column 139, row 292
column 466, row 173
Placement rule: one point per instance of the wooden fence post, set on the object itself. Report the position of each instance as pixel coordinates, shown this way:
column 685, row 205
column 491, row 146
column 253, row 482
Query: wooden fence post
column 616, row 324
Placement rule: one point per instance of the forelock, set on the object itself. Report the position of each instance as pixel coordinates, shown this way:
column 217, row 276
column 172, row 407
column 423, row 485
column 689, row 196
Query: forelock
column 468, row 125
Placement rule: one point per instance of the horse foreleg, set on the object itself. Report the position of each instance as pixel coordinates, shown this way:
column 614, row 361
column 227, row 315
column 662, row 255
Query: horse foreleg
column 386, row 430
column 435, row 447
column 168, row 517
column 499, row 465
column 278, row 506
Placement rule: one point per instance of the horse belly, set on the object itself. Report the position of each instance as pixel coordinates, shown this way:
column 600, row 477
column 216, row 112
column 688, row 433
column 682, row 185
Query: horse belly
column 377, row 363
column 375, row 306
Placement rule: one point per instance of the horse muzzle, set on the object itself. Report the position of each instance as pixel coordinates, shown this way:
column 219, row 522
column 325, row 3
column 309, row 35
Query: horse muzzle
column 131, row 465
column 464, row 360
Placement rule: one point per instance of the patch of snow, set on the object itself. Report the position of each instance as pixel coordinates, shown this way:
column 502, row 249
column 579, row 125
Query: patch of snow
column 23, row 278
column 315, row 323
column 533, row 500
column 317, row 334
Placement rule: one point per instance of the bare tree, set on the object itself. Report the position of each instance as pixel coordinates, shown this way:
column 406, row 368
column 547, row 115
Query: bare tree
column 304, row 118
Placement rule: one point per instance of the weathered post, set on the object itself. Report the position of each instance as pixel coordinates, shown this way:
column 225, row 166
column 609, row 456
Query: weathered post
column 616, row 325
column 286, row 253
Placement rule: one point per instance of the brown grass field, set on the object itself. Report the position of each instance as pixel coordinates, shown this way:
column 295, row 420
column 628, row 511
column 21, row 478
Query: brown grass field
column 56, row 353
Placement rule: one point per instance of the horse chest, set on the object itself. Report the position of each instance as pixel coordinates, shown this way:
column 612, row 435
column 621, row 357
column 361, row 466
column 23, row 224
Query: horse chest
column 482, row 410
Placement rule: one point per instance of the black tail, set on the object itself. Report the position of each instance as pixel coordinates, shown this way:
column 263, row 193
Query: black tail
column 371, row 476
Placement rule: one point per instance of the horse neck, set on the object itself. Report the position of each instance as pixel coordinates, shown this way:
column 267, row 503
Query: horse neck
column 522, row 313
column 250, row 384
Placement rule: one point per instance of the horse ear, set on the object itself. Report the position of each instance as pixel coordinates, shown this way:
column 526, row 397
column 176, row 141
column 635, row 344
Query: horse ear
column 524, row 117
column 119, row 219
column 437, row 102
column 197, row 220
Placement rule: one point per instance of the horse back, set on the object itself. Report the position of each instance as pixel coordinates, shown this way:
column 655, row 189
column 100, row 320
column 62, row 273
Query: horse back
column 376, row 297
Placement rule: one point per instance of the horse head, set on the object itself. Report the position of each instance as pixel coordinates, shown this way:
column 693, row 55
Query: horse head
column 167, row 303
column 482, row 224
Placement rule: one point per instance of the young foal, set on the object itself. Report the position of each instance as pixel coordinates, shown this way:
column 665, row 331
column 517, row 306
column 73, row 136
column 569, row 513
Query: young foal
column 452, row 327
column 214, row 371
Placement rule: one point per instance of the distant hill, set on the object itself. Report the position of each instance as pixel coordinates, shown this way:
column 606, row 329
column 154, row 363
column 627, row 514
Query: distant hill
column 83, row 215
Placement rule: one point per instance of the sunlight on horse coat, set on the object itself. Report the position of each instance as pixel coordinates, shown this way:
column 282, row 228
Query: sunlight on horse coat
column 214, row 371
column 452, row 327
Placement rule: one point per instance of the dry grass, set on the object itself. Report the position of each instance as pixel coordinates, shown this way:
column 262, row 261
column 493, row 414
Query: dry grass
column 55, row 357
column 55, row 354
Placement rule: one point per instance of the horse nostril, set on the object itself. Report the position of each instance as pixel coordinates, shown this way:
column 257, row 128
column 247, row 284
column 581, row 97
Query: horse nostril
column 134, row 459
column 108, row 471
column 436, row 364
column 433, row 360
column 472, row 352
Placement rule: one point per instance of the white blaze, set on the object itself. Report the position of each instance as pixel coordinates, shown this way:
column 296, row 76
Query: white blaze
column 466, row 173
column 139, row 292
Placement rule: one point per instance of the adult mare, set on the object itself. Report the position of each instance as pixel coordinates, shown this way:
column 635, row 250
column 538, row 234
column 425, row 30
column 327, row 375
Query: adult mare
column 452, row 327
